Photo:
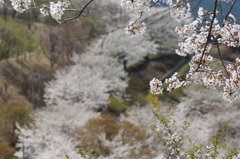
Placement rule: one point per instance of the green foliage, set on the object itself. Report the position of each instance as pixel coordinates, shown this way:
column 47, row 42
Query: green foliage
column 165, row 118
column 195, row 150
column 174, row 140
column 88, row 154
column 29, row 16
column 95, row 25
column 137, row 89
column 183, row 70
column 176, row 94
column 9, row 116
column 116, row 105
column 139, row 98
column 152, row 99
column 231, row 153
column 14, row 39
column 137, row 84
column 18, row 114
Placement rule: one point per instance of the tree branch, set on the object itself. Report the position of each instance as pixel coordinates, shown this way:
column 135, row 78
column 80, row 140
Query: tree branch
column 80, row 12
column 209, row 32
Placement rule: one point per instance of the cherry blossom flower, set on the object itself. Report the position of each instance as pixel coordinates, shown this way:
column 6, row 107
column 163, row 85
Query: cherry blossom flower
column 56, row 10
column 134, row 29
column 44, row 10
column 130, row 3
column 65, row 3
column 155, row 86
column 174, row 82
column 180, row 13
column 236, row 157
column 21, row 5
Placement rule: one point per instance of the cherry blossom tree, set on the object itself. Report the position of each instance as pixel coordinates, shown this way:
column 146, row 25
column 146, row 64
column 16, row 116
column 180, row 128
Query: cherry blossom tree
column 76, row 89
column 111, row 138
column 208, row 112
column 50, row 136
column 70, row 100
column 95, row 75
column 125, row 48
column 90, row 81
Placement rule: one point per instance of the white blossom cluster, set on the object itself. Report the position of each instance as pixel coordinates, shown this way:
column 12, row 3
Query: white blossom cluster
column 44, row 10
column 134, row 29
column 209, row 152
column 56, row 9
column 174, row 82
column 21, row 5
column 174, row 142
column 119, row 149
column 70, row 99
column 51, row 135
column 179, row 11
column 136, row 4
column 236, row 157
column 155, row 86
column 198, row 36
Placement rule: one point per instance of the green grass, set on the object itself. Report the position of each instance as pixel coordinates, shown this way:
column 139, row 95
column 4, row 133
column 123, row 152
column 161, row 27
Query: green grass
column 116, row 105
column 137, row 84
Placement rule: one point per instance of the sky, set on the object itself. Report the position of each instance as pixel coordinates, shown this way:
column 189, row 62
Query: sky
column 209, row 4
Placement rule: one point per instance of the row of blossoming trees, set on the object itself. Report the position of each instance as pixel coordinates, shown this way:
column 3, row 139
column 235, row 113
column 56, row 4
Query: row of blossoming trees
column 79, row 88
column 67, row 121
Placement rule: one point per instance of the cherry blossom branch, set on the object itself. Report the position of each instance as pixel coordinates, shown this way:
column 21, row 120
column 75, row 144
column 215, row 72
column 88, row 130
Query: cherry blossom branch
column 229, row 11
column 141, row 13
column 140, row 16
column 80, row 12
column 209, row 32
column 221, row 59
column 154, row 4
